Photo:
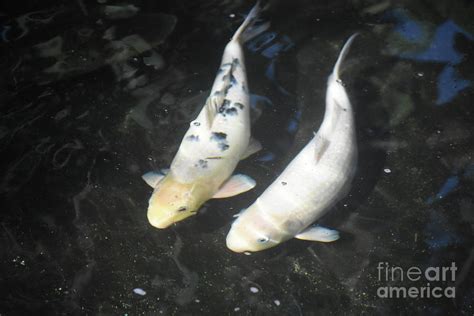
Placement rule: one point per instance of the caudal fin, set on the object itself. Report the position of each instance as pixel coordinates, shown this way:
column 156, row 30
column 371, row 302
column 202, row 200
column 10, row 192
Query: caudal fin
column 342, row 55
column 248, row 30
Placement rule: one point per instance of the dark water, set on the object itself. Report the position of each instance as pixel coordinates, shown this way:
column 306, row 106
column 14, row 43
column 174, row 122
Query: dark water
column 94, row 94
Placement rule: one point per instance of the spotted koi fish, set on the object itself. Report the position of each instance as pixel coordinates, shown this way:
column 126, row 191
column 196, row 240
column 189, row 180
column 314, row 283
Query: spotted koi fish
column 214, row 144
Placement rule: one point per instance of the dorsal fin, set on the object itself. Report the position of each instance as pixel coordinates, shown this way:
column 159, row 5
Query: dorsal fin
column 212, row 108
column 219, row 92
column 320, row 146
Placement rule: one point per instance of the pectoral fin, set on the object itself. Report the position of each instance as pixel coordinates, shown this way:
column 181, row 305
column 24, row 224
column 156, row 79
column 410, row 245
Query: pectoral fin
column 321, row 146
column 318, row 233
column 237, row 184
column 253, row 147
column 152, row 178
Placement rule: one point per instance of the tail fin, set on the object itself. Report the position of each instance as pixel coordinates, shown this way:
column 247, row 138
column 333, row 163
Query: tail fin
column 246, row 31
column 342, row 55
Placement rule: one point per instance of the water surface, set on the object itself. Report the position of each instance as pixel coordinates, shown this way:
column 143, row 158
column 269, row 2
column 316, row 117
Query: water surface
column 94, row 94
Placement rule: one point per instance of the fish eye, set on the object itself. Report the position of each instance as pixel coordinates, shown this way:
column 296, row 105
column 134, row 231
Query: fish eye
column 263, row 240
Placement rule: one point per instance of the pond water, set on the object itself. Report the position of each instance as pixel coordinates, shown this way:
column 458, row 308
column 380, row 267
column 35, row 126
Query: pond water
column 94, row 94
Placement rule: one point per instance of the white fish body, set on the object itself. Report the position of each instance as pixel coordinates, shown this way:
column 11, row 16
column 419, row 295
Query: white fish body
column 214, row 143
column 318, row 177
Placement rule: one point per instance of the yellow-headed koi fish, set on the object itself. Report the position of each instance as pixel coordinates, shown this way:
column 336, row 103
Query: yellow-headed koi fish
column 214, row 143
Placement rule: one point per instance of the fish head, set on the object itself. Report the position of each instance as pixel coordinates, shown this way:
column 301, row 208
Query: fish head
column 253, row 232
column 173, row 201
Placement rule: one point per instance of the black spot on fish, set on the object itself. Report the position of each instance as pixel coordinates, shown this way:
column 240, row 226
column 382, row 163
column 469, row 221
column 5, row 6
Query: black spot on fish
column 182, row 209
column 283, row 183
column 218, row 136
column 216, row 157
column 231, row 111
column 196, row 124
column 202, row 163
column 345, row 110
column 221, row 140
column 193, row 138
column 218, row 93
column 231, row 78
column 225, row 105
column 239, row 105
column 226, row 89
column 233, row 81
column 223, row 146
column 244, row 88
column 236, row 62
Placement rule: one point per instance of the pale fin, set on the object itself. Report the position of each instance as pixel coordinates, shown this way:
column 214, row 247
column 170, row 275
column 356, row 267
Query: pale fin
column 342, row 55
column 152, row 178
column 253, row 147
column 217, row 97
column 212, row 107
column 320, row 147
column 245, row 32
column 318, row 233
column 235, row 185
column 254, row 32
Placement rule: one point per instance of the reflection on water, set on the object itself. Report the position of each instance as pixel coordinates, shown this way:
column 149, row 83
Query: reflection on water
column 94, row 94
column 436, row 46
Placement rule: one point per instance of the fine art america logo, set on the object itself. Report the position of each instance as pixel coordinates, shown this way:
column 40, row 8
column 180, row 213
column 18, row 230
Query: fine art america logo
column 429, row 282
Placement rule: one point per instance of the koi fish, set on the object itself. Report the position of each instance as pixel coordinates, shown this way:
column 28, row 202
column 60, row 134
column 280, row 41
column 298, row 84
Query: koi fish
column 318, row 177
column 214, row 144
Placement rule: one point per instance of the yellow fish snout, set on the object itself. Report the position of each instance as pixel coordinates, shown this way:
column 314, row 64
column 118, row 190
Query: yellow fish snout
column 161, row 217
column 172, row 202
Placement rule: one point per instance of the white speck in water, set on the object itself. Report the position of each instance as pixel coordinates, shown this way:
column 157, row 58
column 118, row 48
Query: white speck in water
column 139, row 291
column 438, row 132
column 247, row 253
column 386, row 170
column 420, row 74
column 253, row 289
column 277, row 302
column 236, row 309
column 197, row 301
column 232, row 15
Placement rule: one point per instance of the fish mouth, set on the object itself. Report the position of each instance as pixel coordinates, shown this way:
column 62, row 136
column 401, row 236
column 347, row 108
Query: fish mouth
column 238, row 245
column 164, row 220
column 234, row 247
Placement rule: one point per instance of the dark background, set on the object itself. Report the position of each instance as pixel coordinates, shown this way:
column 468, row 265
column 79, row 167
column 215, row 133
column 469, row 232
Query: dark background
column 95, row 93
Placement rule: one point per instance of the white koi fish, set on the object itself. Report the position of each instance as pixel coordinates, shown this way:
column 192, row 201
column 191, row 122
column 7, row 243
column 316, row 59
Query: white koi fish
column 317, row 178
column 214, row 143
